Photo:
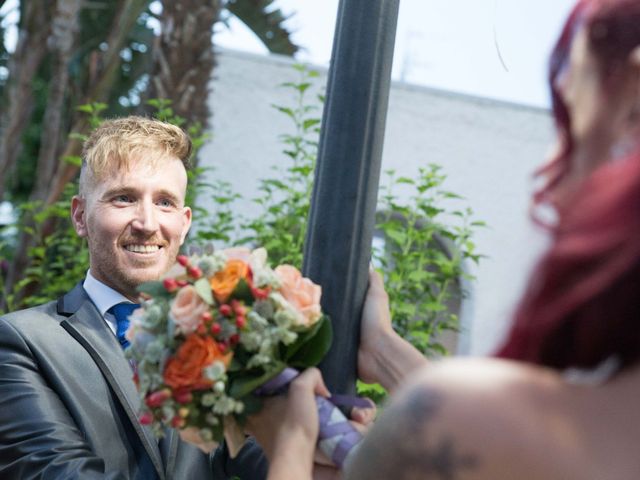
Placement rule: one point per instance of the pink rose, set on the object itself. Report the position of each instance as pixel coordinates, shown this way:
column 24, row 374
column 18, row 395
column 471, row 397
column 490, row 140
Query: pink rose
column 301, row 293
column 187, row 309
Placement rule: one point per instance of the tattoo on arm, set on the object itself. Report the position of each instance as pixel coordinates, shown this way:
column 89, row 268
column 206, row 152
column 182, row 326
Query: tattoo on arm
column 401, row 446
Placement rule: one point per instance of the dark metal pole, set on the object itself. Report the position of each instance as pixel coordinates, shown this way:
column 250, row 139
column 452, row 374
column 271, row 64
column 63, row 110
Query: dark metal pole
column 341, row 222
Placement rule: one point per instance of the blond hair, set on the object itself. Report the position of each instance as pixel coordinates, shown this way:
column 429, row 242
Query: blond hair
column 117, row 142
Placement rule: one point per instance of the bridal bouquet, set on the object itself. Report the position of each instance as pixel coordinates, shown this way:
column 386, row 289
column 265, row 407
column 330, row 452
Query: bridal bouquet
column 218, row 327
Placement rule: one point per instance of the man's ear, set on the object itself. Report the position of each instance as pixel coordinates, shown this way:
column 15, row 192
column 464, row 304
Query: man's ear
column 78, row 207
column 187, row 214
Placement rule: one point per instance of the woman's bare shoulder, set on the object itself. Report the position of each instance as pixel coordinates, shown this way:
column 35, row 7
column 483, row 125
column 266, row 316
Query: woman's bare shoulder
column 473, row 419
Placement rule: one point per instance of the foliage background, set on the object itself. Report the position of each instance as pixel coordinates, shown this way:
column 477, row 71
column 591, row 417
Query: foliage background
column 115, row 66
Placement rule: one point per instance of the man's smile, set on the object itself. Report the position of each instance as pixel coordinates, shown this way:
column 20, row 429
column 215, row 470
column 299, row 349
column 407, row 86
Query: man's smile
column 142, row 248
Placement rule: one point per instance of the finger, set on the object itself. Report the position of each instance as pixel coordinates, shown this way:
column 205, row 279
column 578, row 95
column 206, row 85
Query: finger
column 376, row 284
column 312, row 379
column 321, row 458
column 360, row 427
column 364, row 415
column 192, row 435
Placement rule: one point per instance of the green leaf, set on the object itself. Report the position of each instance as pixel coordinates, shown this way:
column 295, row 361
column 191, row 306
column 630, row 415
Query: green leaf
column 397, row 236
column 313, row 346
column 203, row 288
column 154, row 289
column 310, row 122
column 252, row 404
column 87, row 108
column 287, row 111
column 374, row 391
column 302, row 87
column 406, row 180
column 243, row 292
column 245, row 384
column 73, row 160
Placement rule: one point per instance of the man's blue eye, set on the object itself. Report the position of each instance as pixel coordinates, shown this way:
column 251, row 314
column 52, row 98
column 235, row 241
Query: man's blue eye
column 165, row 203
column 123, row 198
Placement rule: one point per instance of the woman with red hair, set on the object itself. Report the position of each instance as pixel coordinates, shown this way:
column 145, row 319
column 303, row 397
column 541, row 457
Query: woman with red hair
column 561, row 399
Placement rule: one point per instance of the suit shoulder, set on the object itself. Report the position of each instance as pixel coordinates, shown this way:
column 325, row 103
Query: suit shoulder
column 45, row 312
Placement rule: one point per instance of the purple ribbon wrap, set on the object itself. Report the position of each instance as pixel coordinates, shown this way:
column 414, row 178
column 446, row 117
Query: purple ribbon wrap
column 337, row 438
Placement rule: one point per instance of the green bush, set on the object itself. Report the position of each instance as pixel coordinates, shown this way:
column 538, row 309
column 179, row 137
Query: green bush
column 57, row 261
column 427, row 240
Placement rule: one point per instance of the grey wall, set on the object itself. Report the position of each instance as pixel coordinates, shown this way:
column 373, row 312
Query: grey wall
column 487, row 149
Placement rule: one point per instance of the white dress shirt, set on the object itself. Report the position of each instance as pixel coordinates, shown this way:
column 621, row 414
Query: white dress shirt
column 103, row 297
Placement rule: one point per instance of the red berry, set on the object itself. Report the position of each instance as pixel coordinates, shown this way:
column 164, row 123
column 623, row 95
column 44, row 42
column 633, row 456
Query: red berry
column 182, row 283
column 182, row 396
column 241, row 322
column 177, row 421
column 201, row 329
column 146, row 418
column 183, row 260
column 170, row 284
column 194, row 272
column 206, row 316
column 225, row 310
column 238, row 308
column 260, row 293
column 216, row 328
column 157, row 398
column 234, row 339
column 222, row 346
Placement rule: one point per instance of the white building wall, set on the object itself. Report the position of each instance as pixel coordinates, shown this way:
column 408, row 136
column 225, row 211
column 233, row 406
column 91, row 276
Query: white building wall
column 487, row 149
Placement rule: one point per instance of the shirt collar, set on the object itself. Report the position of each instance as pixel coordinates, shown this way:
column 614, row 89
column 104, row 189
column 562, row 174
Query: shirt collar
column 102, row 296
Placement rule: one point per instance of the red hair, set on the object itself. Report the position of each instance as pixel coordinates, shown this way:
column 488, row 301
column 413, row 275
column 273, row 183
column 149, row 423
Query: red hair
column 582, row 304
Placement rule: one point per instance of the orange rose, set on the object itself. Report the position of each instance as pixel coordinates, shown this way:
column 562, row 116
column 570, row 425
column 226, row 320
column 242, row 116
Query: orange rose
column 224, row 282
column 185, row 368
column 301, row 293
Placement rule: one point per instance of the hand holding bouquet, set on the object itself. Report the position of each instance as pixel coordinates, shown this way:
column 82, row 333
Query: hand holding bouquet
column 218, row 332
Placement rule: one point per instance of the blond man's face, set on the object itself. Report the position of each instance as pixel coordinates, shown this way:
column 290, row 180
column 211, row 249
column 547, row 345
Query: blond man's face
column 134, row 222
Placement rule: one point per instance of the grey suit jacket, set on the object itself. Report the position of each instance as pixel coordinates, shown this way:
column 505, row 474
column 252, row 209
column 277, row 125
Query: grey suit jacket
column 68, row 405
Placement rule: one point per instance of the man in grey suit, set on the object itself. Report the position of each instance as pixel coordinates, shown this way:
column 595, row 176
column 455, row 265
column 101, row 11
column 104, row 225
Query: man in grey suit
column 68, row 403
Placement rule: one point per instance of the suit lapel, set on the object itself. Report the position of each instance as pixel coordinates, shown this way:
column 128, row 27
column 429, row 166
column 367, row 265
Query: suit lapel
column 169, row 450
column 86, row 325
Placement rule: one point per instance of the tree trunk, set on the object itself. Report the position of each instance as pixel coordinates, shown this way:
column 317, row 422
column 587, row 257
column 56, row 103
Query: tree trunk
column 23, row 65
column 63, row 34
column 61, row 42
column 184, row 58
column 99, row 88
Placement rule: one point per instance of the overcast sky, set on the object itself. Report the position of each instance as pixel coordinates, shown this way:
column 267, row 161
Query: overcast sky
column 492, row 48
